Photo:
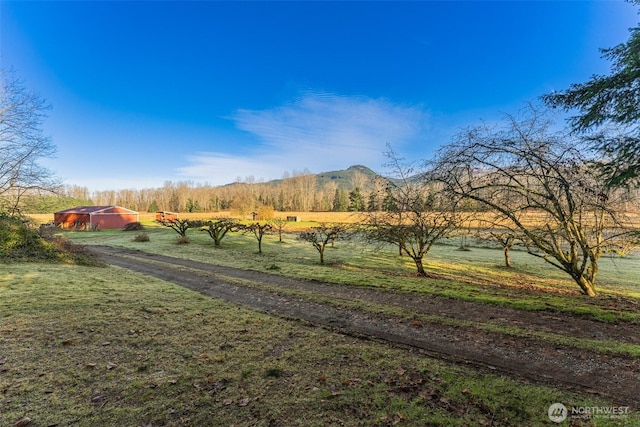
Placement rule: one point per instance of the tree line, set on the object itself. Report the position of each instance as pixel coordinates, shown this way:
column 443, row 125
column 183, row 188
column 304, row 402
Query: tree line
column 300, row 192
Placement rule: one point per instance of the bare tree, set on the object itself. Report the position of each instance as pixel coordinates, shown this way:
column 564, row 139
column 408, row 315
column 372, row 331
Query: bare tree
column 493, row 227
column 360, row 180
column 22, row 143
column 219, row 228
column 415, row 231
column 279, row 224
column 244, row 201
column 542, row 184
column 305, row 190
column 415, row 218
column 323, row 235
column 505, row 237
column 181, row 226
column 258, row 230
column 328, row 193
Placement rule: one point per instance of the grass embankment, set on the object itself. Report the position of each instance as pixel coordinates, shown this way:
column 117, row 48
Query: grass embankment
column 91, row 346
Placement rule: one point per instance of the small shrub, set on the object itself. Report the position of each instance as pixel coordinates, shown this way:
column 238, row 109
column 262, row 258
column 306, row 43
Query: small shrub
column 265, row 213
column 47, row 231
column 20, row 243
column 133, row 226
column 142, row 237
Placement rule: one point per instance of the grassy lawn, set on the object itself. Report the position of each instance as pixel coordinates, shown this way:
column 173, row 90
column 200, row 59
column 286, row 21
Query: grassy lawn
column 475, row 275
column 90, row 346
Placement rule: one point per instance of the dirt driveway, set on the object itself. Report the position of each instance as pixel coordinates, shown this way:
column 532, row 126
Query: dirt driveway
column 444, row 328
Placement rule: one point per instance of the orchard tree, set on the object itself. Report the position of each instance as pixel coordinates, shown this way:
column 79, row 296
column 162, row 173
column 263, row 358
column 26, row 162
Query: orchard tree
column 219, row 228
column 541, row 183
column 506, row 239
column 501, row 232
column 492, row 226
column 181, row 226
column 279, row 224
column 323, row 235
column 22, row 143
column 408, row 222
column 258, row 230
column 608, row 112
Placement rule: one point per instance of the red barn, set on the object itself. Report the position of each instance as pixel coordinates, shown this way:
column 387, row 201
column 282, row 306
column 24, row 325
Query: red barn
column 95, row 217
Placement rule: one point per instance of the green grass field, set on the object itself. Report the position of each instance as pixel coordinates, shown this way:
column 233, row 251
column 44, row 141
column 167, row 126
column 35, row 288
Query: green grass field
column 477, row 275
column 88, row 346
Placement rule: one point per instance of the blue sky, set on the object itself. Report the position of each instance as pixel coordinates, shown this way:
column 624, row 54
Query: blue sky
column 149, row 92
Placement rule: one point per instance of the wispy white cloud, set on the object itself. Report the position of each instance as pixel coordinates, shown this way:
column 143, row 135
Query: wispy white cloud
column 324, row 121
column 221, row 168
column 317, row 131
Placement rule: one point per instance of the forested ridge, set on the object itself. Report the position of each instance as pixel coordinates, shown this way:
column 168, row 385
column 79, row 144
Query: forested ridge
column 357, row 188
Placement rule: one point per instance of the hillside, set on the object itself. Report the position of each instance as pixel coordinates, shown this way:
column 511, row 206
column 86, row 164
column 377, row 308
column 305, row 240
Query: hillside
column 343, row 178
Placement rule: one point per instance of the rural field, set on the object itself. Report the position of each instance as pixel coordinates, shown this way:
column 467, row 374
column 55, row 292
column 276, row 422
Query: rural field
column 172, row 336
column 218, row 252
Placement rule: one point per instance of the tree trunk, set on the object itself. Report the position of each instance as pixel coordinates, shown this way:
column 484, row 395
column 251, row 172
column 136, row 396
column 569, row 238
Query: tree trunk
column 420, row 267
column 507, row 257
column 586, row 286
column 321, row 255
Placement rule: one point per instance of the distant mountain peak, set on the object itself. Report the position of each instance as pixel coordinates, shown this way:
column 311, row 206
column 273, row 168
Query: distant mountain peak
column 360, row 168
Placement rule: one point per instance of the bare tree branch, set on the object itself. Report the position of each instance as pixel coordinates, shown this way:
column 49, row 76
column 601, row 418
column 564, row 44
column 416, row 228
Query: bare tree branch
column 544, row 186
column 22, row 143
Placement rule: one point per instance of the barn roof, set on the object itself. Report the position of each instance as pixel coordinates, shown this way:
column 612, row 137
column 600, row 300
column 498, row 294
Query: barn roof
column 95, row 209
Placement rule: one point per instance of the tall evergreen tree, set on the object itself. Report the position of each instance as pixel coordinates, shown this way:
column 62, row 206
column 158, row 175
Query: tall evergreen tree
column 340, row 201
column 389, row 203
column 356, row 200
column 373, row 205
column 608, row 110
